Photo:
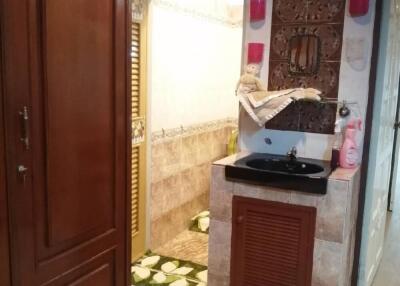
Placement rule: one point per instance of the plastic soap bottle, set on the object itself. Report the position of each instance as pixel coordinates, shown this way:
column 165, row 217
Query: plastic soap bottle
column 349, row 152
column 337, row 144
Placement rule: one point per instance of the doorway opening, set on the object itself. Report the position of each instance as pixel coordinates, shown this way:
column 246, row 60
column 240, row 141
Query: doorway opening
column 186, row 61
column 380, row 248
column 387, row 271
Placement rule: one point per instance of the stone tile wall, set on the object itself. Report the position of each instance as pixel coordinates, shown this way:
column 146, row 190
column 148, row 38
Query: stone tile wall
column 335, row 226
column 180, row 181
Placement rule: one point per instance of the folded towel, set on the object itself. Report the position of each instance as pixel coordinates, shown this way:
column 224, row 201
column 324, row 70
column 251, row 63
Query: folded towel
column 262, row 106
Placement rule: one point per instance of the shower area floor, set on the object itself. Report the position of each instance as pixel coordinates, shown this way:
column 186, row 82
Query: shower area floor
column 188, row 245
column 181, row 261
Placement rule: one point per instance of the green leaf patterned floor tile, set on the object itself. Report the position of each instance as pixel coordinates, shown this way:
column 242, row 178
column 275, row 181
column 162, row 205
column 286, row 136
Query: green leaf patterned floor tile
column 153, row 269
column 201, row 222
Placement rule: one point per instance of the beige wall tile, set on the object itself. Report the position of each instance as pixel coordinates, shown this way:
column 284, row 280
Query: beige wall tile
column 219, row 143
column 221, row 195
column 303, row 199
column 205, row 150
column 217, row 280
column 220, row 244
column 164, row 195
column 181, row 178
column 261, row 192
column 176, row 220
column 190, row 146
column 189, row 186
column 331, row 212
column 327, row 263
column 203, row 176
column 157, row 200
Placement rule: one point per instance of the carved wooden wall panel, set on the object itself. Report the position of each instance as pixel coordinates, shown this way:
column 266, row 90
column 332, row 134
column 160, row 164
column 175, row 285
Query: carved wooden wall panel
column 293, row 19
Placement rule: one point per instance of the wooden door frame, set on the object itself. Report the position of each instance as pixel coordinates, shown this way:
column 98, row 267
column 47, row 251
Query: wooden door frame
column 5, row 274
column 128, row 169
column 367, row 137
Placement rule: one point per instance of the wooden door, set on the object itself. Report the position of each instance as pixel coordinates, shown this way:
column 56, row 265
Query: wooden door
column 381, row 144
column 272, row 243
column 4, row 241
column 66, row 105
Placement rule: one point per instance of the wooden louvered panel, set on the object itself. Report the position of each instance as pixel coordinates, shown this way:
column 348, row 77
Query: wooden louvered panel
column 138, row 84
column 135, row 69
column 135, row 87
column 135, row 190
column 272, row 243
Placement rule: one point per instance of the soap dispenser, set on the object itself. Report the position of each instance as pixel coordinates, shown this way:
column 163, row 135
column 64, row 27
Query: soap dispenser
column 349, row 154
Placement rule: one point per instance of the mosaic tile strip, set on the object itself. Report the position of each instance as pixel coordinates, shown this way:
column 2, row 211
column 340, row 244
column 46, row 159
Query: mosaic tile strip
column 183, row 131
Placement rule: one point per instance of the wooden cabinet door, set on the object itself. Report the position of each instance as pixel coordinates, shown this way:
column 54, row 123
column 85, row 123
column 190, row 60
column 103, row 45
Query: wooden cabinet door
column 66, row 101
column 272, row 243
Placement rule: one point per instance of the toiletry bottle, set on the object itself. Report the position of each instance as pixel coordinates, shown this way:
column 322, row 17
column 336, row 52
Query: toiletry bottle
column 233, row 142
column 337, row 143
column 349, row 153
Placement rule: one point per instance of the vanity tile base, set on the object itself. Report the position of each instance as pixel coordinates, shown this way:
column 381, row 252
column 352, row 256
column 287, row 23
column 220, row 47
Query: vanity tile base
column 335, row 224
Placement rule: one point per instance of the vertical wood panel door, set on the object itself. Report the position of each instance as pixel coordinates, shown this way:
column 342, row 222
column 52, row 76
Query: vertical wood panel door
column 272, row 243
column 66, row 103
column 4, row 239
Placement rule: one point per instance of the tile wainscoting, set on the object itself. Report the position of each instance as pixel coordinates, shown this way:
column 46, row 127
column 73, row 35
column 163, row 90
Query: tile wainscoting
column 181, row 161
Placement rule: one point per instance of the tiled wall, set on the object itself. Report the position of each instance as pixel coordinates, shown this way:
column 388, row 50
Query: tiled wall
column 180, row 184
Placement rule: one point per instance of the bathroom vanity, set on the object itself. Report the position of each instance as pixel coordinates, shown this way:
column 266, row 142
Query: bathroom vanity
column 262, row 234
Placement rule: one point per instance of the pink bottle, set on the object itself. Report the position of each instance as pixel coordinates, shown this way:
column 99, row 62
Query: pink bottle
column 349, row 153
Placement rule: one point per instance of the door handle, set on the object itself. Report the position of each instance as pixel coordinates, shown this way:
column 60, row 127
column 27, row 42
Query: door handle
column 22, row 170
column 24, row 114
column 396, row 125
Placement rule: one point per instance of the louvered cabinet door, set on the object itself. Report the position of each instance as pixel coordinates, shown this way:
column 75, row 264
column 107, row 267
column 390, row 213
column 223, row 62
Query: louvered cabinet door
column 272, row 243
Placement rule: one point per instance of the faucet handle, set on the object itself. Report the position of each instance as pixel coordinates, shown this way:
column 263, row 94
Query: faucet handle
column 267, row 140
column 292, row 153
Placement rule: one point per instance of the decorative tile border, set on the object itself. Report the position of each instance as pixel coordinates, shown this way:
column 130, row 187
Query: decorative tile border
column 165, row 135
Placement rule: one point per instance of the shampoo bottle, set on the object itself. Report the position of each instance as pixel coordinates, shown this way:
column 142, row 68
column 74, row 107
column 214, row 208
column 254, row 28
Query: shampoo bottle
column 349, row 153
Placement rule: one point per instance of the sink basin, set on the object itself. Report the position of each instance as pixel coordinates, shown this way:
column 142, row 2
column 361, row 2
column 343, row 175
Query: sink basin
column 292, row 167
column 305, row 175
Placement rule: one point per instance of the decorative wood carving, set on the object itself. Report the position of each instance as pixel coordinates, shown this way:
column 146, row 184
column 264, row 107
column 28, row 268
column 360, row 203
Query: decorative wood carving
column 304, row 55
column 322, row 22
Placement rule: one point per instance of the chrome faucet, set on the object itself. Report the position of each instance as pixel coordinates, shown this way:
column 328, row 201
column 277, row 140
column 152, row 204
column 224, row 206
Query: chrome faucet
column 268, row 141
column 292, row 154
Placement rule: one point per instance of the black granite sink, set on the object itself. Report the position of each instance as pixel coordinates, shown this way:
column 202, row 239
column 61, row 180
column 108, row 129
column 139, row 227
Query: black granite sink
column 305, row 175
